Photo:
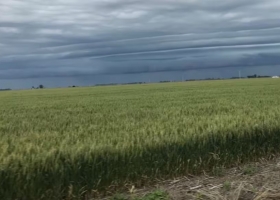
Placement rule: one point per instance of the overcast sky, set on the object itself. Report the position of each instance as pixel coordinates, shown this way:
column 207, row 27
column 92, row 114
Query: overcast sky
column 84, row 42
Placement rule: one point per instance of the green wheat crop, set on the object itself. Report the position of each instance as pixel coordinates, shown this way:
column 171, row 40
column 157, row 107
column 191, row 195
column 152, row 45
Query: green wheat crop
column 80, row 139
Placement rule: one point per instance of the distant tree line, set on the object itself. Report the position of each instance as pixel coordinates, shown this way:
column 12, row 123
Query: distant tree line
column 39, row 87
column 168, row 81
column 164, row 81
column 5, row 89
column 257, row 76
column 107, row 84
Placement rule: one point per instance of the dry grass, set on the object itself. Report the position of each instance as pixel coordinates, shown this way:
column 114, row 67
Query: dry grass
column 263, row 184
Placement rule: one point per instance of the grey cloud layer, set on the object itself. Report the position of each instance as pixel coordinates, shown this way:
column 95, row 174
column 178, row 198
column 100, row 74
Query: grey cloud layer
column 64, row 38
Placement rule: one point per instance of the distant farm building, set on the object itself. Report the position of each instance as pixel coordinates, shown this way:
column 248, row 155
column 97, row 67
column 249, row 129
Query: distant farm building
column 275, row 76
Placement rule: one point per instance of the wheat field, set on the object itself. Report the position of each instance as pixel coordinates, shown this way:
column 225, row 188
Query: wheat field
column 83, row 139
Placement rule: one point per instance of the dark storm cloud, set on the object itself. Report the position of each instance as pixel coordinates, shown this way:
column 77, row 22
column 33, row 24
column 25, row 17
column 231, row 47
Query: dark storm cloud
column 59, row 38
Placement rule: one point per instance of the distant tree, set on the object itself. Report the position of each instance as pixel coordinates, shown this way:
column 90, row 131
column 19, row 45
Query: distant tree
column 254, row 76
column 7, row 89
column 41, row 86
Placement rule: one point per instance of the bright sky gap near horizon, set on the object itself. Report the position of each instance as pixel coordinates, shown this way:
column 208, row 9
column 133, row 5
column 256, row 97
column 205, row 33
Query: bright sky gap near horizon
column 85, row 42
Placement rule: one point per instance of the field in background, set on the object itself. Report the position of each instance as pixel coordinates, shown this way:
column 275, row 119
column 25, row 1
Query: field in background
column 60, row 141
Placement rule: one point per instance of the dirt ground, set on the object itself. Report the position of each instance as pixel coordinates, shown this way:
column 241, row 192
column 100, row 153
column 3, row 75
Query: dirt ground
column 254, row 181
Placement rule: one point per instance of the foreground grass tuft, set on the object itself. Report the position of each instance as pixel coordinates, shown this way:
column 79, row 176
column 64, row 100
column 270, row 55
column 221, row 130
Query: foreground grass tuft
column 157, row 195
